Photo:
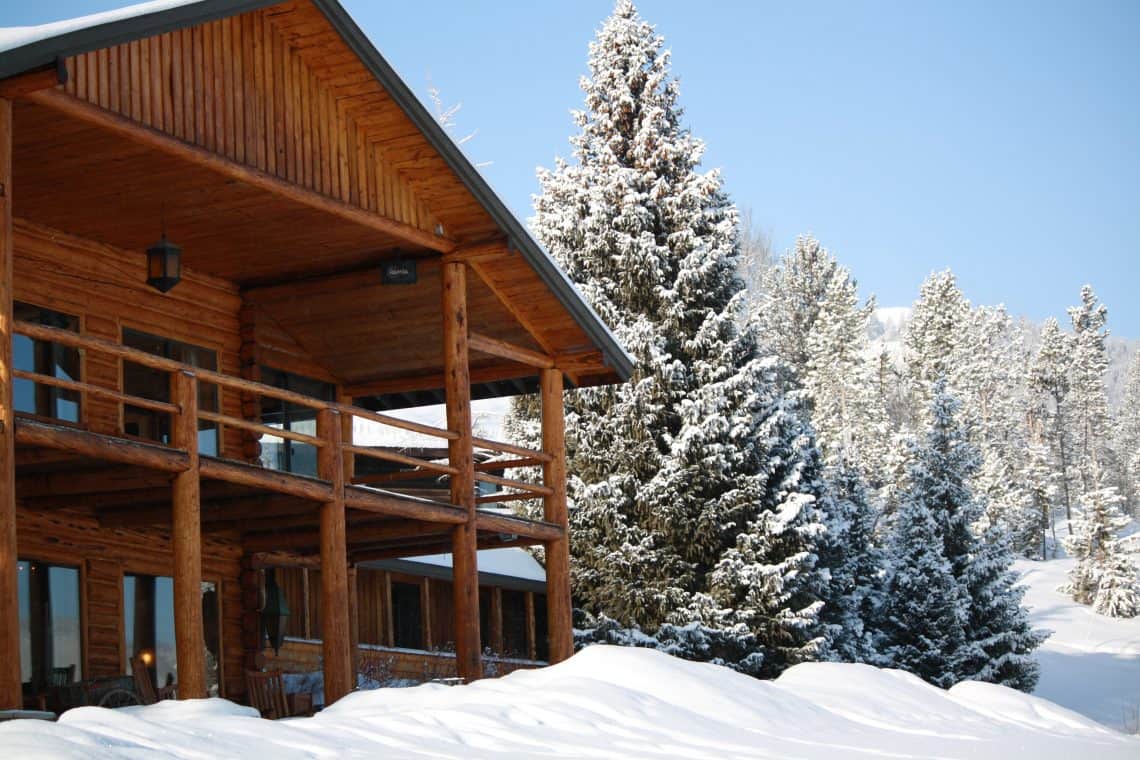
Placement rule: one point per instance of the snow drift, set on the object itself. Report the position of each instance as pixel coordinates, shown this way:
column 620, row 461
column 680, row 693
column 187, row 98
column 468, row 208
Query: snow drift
column 606, row 702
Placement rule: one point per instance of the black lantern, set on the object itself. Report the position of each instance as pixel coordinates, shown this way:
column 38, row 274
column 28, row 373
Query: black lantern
column 275, row 613
column 163, row 265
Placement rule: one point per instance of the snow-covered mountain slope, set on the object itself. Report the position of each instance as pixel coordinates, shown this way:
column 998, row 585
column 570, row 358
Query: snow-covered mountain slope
column 1091, row 663
column 606, row 702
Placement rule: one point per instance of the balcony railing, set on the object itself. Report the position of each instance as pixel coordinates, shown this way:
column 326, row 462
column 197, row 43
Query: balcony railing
column 417, row 467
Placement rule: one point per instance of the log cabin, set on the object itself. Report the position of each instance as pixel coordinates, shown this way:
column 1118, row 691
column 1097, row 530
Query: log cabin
column 229, row 233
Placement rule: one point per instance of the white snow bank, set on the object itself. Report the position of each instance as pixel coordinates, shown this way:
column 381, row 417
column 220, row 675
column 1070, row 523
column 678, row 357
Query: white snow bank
column 1091, row 663
column 606, row 702
column 511, row 561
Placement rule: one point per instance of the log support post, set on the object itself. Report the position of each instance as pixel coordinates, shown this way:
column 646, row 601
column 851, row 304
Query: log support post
column 186, row 534
column 336, row 627
column 464, row 541
column 558, row 604
column 11, row 691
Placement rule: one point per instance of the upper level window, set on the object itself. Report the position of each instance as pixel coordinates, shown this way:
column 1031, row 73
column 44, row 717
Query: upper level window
column 155, row 384
column 280, row 453
column 45, row 358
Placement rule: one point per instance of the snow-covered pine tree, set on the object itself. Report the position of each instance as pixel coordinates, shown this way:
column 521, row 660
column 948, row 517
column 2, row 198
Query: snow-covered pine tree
column 996, row 637
column 810, row 316
column 920, row 626
column 1050, row 381
column 1104, row 575
column 1087, row 367
column 934, row 341
column 850, row 550
column 1127, row 437
column 699, row 458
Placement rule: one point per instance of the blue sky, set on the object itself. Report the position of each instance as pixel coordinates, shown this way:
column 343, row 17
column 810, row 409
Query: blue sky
column 999, row 139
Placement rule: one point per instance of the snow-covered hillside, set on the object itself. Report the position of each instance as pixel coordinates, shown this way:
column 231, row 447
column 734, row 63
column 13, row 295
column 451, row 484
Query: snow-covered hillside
column 1091, row 663
column 606, row 702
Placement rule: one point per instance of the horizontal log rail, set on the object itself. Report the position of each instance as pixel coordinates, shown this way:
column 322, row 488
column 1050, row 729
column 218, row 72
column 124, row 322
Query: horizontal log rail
column 520, row 485
column 502, row 447
column 501, row 497
column 96, row 390
column 226, row 420
column 392, row 456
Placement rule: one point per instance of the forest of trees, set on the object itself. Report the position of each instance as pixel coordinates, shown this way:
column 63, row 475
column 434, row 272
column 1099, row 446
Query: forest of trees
column 769, row 488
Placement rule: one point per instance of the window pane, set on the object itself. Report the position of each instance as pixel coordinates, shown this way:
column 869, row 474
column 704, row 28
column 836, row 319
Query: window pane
column 49, row 621
column 281, row 454
column 45, row 358
column 514, row 623
column 406, row 615
column 155, row 385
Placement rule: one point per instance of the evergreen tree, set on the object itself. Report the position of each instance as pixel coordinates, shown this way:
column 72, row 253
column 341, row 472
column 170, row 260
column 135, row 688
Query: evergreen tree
column 1104, row 574
column 854, row 590
column 1127, row 437
column 699, row 465
column 995, row 638
column 920, row 627
column 1087, row 368
column 934, row 341
column 1050, row 380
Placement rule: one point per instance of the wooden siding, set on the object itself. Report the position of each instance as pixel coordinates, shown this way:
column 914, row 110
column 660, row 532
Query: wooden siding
column 106, row 288
column 236, row 87
column 67, row 537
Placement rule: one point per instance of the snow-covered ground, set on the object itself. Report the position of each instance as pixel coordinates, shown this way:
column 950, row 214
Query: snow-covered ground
column 606, row 702
column 1091, row 663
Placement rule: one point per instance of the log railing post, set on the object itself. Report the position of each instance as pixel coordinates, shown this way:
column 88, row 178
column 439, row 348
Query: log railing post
column 186, row 536
column 558, row 604
column 464, row 540
column 11, row 692
column 335, row 625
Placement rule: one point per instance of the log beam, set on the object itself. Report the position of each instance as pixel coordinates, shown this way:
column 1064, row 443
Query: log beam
column 186, row 537
column 505, row 350
column 81, row 110
column 558, row 602
column 11, row 690
column 98, row 446
column 464, row 542
column 336, row 644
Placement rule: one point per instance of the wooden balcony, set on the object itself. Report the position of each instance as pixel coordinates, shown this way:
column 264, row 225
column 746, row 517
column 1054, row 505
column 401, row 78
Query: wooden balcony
column 128, row 482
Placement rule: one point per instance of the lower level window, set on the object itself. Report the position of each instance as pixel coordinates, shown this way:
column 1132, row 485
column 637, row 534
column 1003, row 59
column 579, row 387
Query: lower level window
column 148, row 623
column 50, row 643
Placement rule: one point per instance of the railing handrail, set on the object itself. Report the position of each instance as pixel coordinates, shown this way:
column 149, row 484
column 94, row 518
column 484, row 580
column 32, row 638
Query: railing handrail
column 137, row 356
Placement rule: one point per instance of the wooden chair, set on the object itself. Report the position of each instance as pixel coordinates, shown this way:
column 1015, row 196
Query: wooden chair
column 267, row 693
column 61, row 677
column 148, row 694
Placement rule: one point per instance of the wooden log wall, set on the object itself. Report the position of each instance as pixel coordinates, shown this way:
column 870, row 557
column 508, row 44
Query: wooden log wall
column 104, row 555
column 236, row 87
column 106, row 288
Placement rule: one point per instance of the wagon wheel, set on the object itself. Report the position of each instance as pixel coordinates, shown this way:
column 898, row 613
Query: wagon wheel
column 118, row 698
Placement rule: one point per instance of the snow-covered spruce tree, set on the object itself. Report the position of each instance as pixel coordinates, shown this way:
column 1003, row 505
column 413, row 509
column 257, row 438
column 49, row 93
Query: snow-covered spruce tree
column 920, row 626
column 996, row 637
column 1127, row 436
column 1088, row 364
column 700, row 459
column 1104, row 574
column 934, row 340
column 850, row 551
column 1050, row 380
column 810, row 316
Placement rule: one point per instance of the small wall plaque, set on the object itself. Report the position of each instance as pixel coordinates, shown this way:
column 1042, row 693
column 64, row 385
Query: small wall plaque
column 398, row 272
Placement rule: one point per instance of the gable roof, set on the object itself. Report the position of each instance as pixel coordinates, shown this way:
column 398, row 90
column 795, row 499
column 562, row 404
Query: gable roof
column 29, row 48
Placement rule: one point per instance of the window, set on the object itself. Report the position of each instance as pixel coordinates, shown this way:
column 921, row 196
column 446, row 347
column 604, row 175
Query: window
column 541, row 642
column 514, row 623
column 155, row 384
column 50, row 636
column 45, row 358
column 148, row 624
column 279, row 453
column 407, row 617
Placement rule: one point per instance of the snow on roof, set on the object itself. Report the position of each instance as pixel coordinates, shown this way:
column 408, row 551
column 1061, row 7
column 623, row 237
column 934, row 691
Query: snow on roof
column 13, row 37
column 512, row 562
